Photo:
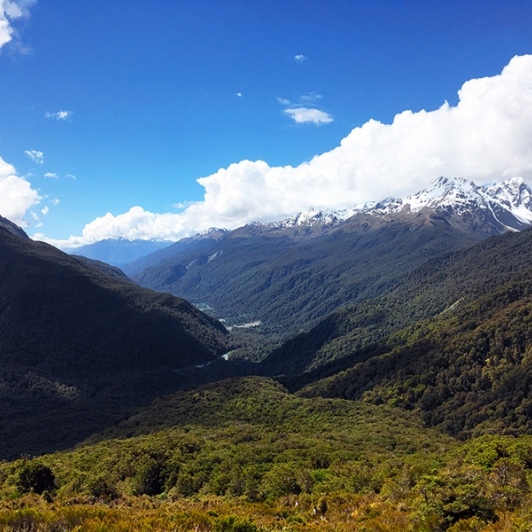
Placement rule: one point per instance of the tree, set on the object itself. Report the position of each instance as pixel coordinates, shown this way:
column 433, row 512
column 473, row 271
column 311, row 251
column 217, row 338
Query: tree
column 35, row 477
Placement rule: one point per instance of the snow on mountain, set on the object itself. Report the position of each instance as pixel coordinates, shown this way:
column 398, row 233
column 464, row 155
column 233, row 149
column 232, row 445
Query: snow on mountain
column 508, row 205
column 310, row 218
column 498, row 208
column 516, row 196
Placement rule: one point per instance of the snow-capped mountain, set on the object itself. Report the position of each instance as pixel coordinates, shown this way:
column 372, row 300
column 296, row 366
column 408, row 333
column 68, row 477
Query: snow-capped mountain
column 312, row 217
column 514, row 195
column 506, row 205
column 484, row 210
column 293, row 272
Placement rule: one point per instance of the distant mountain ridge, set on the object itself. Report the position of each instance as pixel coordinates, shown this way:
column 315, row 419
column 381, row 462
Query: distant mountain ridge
column 506, row 205
column 290, row 274
column 509, row 203
column 118, row 251
column 502, row 206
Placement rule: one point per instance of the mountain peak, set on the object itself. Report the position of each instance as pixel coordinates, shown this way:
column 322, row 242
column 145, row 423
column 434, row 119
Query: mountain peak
column 506, row 205
column 514, row 193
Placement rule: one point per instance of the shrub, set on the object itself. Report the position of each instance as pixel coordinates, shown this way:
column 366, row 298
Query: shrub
column 148, row 479
column 35, row 477
column 101, row 488
column 234, row 524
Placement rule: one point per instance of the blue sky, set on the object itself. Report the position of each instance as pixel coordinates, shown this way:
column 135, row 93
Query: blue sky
column 110, row 112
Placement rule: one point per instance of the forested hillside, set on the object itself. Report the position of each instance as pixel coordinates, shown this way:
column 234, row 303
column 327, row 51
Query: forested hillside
column 446, row 282
column 74, row 338
column 411, row 410
column 467, row 371
column 245, row 455
column 286, row 276
column 289, row 282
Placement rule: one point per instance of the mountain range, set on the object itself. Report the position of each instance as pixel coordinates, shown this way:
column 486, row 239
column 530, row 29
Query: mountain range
column 503, row 206
column 399, row 399
column 118, row 251
column 288, row 275
column 393, row 263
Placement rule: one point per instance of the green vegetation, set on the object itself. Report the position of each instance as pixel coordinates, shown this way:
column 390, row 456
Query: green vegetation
column 442, row 284
column 245, row 455
column 466, row 371
column 411, row 411
column 292, row 279
column 79, row 348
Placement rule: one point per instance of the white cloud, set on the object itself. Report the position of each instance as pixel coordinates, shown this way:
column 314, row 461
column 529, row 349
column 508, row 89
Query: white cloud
column 51, row 175
column 17, row 196
column 72, row 176
column 300, row 58
column 35, row 155
column 239, row 94
column 487, row 136
column 59, row 115
column 305, row 112
column 303, row 115
column 10, row 11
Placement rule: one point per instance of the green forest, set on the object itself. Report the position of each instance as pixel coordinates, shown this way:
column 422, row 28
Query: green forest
column 245, row 454
column 410, row 411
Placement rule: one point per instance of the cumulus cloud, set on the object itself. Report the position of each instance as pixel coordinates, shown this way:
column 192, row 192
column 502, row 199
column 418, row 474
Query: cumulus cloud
column 487, row 136
column 51, row 175
column 59, row 115
column 304, row 115
column 10, row 11
column 300, row 58
column 17, row 196
column 35, row 155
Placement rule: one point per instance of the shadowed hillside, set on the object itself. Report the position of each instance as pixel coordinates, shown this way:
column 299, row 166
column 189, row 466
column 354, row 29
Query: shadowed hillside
column 467, row 371
column 78, row 346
